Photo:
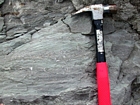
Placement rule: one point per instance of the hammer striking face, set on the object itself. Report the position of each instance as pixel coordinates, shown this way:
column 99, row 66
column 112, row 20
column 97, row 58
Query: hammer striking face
column 101, row 66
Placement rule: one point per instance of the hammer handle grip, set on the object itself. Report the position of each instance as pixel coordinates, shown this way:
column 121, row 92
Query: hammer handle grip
column 103, row 84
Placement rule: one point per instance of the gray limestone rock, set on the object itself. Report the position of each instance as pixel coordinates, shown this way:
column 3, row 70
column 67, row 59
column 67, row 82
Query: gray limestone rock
column 121, row 37
column 6, row 7
column 127, row 11
column 1, row 23
column 9, row 46
column 136, row 90
column 33, row 20
column 138, row 27
column 60, row 27
column 1, row 1
column 12, row 22
column 2, row 37
column 77, row 25
column 123, row 44
column 80, row 3
column 122, row 51
column 15, row 32
column 133, row 61
column 77, row 4
column 121, row 94
column 54, row 67
column 31, row 14
column 114, row 64
column 108, row 26
column 135, row 2
column 44, row 59
column 131, row 67
column 59, row 1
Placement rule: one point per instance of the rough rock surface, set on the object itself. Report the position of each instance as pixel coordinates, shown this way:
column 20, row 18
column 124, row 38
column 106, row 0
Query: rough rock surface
column 47, row 56
column 1, row 1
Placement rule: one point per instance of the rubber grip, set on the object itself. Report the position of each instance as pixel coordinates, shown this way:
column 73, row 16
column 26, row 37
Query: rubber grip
column 103, row 84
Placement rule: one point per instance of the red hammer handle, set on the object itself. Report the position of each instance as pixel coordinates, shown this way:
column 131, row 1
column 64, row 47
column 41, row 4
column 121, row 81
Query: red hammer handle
column 103, row 84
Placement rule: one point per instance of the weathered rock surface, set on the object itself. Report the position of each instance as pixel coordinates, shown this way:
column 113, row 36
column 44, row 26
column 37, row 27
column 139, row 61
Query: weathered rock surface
column 77, row 25
column 23, row 16
column 52, row 64
column 1, row 1
column 1, row 23
column 45, row 59
column 2, row 34
column 80, row 3
column 9, row 46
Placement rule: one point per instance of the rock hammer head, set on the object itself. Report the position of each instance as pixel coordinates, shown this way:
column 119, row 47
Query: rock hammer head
column 98, row 10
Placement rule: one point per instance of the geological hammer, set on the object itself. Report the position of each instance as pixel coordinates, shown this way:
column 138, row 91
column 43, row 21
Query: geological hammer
column 103, row 84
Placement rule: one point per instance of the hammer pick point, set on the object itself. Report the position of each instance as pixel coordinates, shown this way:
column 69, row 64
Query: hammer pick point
column 85, row 9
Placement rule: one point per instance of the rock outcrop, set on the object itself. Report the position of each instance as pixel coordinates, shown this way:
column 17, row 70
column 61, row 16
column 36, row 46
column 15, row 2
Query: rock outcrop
column 47, row 56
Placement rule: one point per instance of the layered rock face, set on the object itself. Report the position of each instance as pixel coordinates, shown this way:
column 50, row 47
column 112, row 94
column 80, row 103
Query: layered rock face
column 47, row 56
